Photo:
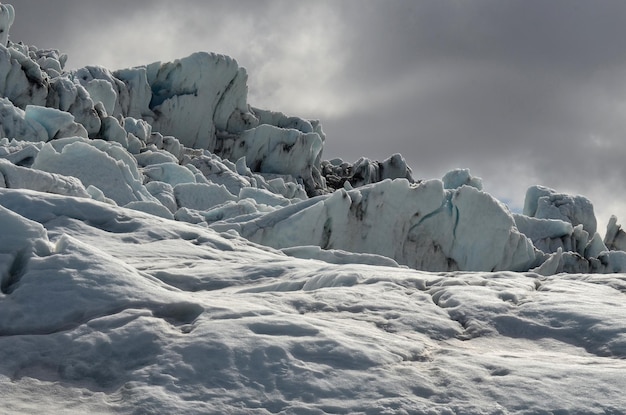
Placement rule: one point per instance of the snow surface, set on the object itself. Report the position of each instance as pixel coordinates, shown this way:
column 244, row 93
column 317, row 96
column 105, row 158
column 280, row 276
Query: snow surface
column 167, row 248
column 109, row 310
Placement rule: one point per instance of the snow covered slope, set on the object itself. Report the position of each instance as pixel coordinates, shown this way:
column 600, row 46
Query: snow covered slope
column 106, row 310
column 167, row 248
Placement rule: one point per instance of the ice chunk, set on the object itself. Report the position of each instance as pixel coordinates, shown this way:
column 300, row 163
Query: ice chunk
column 194, row 95
column 538, row 229
column 548, row 235
column 103, row 87
column 461, row 177
column 190, row 216
column 139, row 92
column 102, row 91
column 19, row 153
column 551, row 265
column 615, row 237
column 152, row 208
column 364, row 171
column 595, row 247
column 13, row 124
column 286, row 187
column 544, row 203
column 421, row 226
column 139, row 128
column 94, row 167
column 500, row 246
column 200, row 196
column 134, row 144
column 262, row 196
column 111, row 130
column 270, row 149
column 16, row 177
column 7, row 16
column 149, row 157
column 21, row 79
column 279, row 119
column 218, row 172
column 164, row 193
column 68, row 96
column 612, row 262
column 171, row 173
column 57, row 123
column 241, row 210
column 97, row 194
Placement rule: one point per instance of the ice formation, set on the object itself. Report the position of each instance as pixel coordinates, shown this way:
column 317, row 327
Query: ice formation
column 7, row 15
column 193, row 241
column 180, row 137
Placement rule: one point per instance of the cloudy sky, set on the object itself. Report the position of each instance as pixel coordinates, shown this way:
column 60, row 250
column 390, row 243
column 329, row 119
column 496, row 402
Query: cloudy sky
column 521, row 92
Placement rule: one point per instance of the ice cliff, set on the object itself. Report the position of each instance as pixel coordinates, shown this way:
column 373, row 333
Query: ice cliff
column 179, row 140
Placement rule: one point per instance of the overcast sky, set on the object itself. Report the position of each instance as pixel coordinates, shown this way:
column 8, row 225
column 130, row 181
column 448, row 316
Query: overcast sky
column 521, row 92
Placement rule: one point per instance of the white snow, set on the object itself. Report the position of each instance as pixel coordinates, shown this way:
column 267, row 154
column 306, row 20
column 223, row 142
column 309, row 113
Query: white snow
column 167, row 249
column 166, row 317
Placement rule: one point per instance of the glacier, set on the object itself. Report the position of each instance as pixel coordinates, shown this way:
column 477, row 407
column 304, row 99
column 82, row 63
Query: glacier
column 167, row 247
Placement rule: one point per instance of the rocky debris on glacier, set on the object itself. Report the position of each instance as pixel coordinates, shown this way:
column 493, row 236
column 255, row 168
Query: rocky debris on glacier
column 340, row 174
column 180, row 141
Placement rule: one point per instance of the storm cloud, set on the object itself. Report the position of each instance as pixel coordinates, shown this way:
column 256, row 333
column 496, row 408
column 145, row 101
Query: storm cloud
column 521, row 92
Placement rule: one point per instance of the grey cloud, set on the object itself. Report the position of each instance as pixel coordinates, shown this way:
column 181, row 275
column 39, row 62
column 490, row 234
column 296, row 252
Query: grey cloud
column 52, row 23
column 578, row 35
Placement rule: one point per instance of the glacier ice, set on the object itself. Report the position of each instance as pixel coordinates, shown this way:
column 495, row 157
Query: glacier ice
column 201, row 196
column 615, row 237
column 94, row 166
column 270, row 149
column 461, row 177
column 195, row 96
column 7, row 16
column 140, row 212
column 544, row 203
column 171, row 173
column 57, row 123
column 179, row 138
column 13, row 123
column 422, row 226
column 16, row 177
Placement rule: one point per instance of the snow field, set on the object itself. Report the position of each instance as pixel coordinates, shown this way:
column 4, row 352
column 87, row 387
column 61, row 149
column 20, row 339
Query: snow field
column 163, row 314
